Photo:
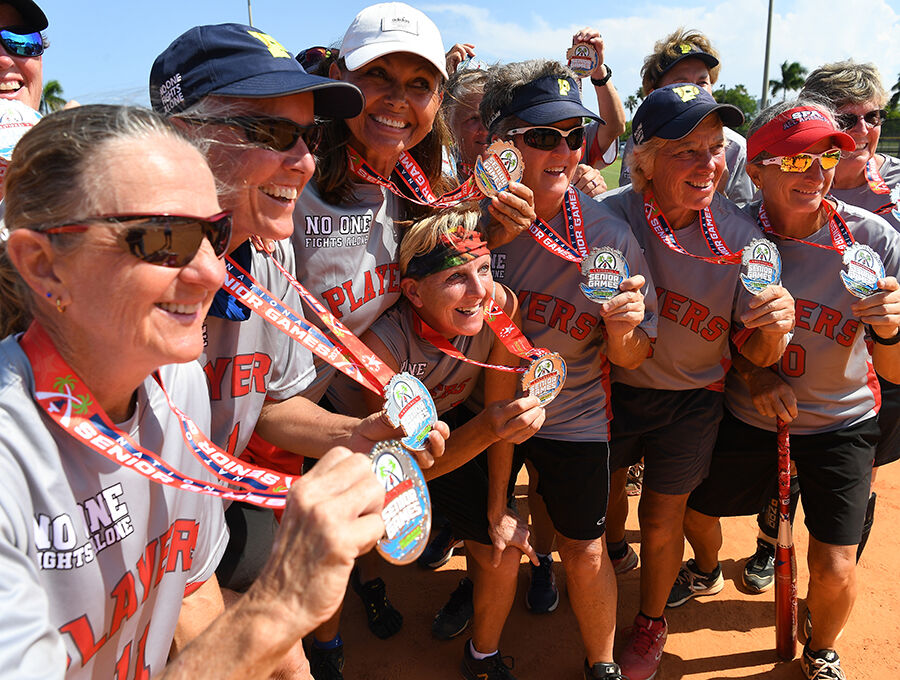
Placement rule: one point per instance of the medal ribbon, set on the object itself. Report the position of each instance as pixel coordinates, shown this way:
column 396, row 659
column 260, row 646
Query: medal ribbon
column 249, row 292
column 55, row 388
column 504, row 328
column 542, row 232
column 714, row 240
column 837, row 229
column 877, row 185
column 414, row 179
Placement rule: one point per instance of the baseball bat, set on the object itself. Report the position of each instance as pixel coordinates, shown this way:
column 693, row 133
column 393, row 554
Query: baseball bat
column 785, row 560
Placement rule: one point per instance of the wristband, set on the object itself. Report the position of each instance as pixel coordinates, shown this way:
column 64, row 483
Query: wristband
column 600, row 82
column 878, row 340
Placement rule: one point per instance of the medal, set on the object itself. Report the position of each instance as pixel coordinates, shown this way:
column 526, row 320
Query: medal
column 407, row 506
column 501, row 165
column 604, row 269
column 863, row 268
column 895, row 202
column 760, row 265
column 409, row 405
column 582, row 59
column 544, row 377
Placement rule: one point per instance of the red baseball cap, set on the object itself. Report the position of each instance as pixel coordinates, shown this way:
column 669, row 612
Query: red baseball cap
column 794, row 131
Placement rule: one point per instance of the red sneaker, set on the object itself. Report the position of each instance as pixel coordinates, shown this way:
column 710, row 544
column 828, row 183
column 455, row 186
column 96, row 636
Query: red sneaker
column 643, row 650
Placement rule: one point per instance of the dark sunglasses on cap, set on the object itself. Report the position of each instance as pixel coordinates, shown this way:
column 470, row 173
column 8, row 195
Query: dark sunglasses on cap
column 547, row 138
column 802, row 162
column 277, row 134
column 164, row 240
column 311, row 57
column 847, row 121
column 21, row 44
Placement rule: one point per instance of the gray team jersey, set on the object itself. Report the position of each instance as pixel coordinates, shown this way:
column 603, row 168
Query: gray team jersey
column 827, row 363
column 556, row 315
column 738, row 186
column 95, row 558
column 863, row 197
column 248, row 361
column 347, row 257
column 450, row 381
column 699, row 302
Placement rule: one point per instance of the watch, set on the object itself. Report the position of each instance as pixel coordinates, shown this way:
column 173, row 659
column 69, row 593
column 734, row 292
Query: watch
column 600, row 82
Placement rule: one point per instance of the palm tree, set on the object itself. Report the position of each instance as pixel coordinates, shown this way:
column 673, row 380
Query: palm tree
column 895, row 98
column 631, row 103
column 792, row 78
column 52, row 99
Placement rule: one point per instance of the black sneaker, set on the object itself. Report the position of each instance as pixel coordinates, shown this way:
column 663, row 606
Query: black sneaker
column 604, row 671
column 439, row 549
column 453, row 618
column 692, row 582
column 824, row 664
column 542, row 595
column 384, row 621
column 759, row 570
column 492, row 668
column 326, row 664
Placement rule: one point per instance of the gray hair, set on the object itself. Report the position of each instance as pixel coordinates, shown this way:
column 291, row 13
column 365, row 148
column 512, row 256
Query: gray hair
column 846, row 82
column 503, row 81
column 770, row 113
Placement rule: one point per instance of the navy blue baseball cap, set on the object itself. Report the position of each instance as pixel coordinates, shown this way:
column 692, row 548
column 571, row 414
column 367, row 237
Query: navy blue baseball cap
column 673, row 111
column 234, row 60
column 548, row 99
column 686, row 51
column 33, row 17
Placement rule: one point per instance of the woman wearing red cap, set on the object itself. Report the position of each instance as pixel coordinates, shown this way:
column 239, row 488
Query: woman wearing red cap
column 831, row 395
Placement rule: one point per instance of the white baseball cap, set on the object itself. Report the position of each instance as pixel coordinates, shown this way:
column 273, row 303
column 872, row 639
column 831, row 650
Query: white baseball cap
column 391, row 27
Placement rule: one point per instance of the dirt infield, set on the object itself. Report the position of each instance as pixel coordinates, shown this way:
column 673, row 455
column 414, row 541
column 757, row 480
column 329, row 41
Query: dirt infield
column 730, row 635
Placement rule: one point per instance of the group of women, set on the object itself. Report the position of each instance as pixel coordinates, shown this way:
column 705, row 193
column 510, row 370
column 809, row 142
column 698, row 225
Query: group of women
column 171, row 281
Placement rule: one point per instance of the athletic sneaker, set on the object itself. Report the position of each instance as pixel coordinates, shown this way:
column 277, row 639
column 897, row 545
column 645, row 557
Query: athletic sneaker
column 453, row 618
column 326, row 664
column 542, row 596
column 603, row 671
column 643, row 649
column 626, row 562
column 492, row 668
column 692, row 582
column 384, row 621
column 759, row 569
column 439, row 549
column 824, row 664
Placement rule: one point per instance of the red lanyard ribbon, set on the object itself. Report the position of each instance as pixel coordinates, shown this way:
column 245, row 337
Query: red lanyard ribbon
column 714, row 240
column 877, row 185
column 837, row 228
column 414, row 179
column 69, row 402
column 542, row 232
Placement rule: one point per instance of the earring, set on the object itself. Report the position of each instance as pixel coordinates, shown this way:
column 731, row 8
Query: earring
column 59, row 306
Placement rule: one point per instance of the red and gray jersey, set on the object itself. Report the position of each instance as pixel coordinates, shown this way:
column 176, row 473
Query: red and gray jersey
column 557, row 316
column 863, row 197
column 738, row 187
column 95, row 558
column 827, row 363
column 450, row 381
column 347, row 257
column 593, row 154
column 247, row 361
column 698, row 302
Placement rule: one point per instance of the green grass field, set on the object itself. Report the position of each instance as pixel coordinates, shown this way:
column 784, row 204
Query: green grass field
column 611, row 174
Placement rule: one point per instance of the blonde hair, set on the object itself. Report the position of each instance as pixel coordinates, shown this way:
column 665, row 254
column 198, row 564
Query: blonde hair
column 641, row 161
column 846, row 82
column 667, row 50
column 422, row 236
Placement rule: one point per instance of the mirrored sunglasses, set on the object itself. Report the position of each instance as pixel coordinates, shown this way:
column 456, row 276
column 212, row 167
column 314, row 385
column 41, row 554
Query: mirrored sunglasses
column 22, row 44
column 874, row 118
column 311, row 57
column 164, row 240
column 278, row 134
column 802, row 162
column 547, row 138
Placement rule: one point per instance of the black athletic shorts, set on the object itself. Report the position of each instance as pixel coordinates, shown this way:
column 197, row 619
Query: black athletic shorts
column 251, row 535
column 834, row 470
column 674, row 431
column 573, row 480
column 888, row 449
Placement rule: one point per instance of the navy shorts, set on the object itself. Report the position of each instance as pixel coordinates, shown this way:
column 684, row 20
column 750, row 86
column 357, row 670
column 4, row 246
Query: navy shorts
column 674, row 431
column 834, row 470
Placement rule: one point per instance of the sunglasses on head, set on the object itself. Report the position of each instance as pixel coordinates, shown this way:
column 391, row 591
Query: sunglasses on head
column 847, row 121
column 164, row 240
column 547, row 138
column 802, row 162
column 21, row 44
column 277, row 134
column 313, row 56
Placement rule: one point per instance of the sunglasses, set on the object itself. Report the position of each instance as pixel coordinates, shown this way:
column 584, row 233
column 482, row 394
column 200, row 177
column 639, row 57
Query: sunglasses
column 164, row 240
column 313, row 56
column 547, row 138
column 277, row 134
column 847, row 121
column 22, row 44
column 802, row 162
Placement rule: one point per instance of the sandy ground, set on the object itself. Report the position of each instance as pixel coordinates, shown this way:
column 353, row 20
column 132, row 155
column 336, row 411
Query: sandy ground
column 730, row 635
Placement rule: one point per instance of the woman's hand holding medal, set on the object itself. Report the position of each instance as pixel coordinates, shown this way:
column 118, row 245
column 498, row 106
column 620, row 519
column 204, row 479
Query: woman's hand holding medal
column 377, row 427
column 881, row 311
column 512, row 212
column 622, row 313
column 771, row 311
column 517, row 420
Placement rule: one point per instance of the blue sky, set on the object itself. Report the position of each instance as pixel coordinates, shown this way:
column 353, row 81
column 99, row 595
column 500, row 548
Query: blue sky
column 101, row 50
